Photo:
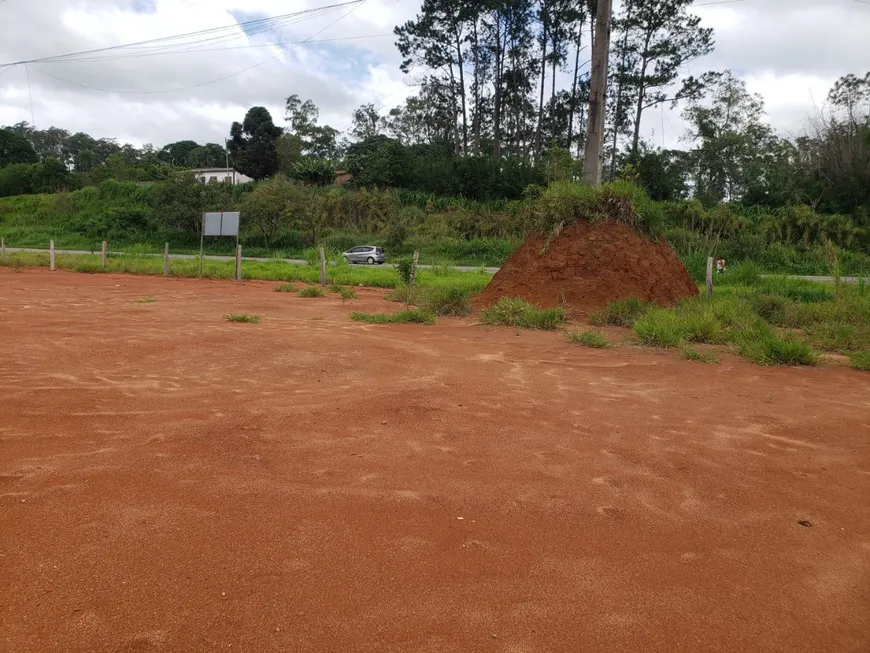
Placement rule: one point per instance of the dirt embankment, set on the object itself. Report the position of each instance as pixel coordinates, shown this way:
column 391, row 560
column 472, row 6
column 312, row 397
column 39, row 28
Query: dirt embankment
column 589, row 265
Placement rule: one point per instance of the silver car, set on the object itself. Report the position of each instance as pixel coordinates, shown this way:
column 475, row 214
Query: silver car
column 365, row 254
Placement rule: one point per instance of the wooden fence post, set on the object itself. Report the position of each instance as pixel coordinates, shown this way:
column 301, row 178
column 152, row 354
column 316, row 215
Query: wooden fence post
column 709, row 276
column 322, row 268
column 414, row 263
column 165, row 259
column 238, row 262
column 105, row 253
column 51, row 255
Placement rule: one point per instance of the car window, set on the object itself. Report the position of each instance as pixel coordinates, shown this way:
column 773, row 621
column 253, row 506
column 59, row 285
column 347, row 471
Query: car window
column 356, row 250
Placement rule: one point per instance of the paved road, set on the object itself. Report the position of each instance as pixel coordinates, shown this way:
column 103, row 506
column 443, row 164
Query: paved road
column 211, row 257
column 297, row 261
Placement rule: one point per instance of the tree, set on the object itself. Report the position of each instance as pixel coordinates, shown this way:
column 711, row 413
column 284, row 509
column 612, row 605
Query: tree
column 597, row 95
column 655, row 39
column 366, row 122
column 15, row 148
column 730, row 140
column 210, row 155
column 177, row 153
column 313, row 139
column 253, row 144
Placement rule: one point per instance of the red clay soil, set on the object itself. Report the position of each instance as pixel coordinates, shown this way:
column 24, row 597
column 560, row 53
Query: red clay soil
column 172, row 482
column 588, row 266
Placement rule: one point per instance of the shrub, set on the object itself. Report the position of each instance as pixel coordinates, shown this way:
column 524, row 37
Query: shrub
column 405, row 267
column 589, row 338
column 284, row 287
column 622, row 312
column 773, row 349
column 447, row 301
column 699, row 356
column 515, row 312
column 311, row 291
column 660, row 327
column 860, row 360
column 242, row 317
column 411, row 315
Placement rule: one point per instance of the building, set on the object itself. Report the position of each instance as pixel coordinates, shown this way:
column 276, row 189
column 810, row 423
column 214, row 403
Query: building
column 207, row 175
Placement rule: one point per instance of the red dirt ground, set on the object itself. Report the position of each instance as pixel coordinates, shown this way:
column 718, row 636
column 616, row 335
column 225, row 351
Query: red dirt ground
column 589, row 265
column 173, row 482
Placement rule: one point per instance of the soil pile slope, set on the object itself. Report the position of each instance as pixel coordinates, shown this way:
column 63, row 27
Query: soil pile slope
column 589, row 265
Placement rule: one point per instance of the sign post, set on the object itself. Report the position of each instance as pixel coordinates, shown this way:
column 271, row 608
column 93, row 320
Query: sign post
column 221, row 223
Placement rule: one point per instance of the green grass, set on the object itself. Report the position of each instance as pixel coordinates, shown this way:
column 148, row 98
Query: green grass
column 860, row 360
column 589, row 338
column 411, row 315
column 285, row 287
column 660, row 327
column 777, row 349
column 622, row 312
column 242, row 317
column 311, row 291
column 447, row 301
column 691, row 354
column 515, row 312
column 347, row 294
column 146, row 300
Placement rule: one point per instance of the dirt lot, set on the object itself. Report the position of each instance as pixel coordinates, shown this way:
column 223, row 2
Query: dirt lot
column 174, row 482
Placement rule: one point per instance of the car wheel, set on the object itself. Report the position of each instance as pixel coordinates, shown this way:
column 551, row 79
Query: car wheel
column 371, row 260
column 380, row 262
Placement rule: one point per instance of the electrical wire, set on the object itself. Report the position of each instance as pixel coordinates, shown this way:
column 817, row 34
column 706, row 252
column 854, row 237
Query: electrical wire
column 357, row 3
column 166, row 40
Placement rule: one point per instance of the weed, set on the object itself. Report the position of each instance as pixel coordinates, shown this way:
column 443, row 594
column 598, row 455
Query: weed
column 335, row 287
column 411, row 315
column 860, row 360
column 834, row 336
column 347, row 294
column 447, row 301
column 405, row 268
column 284, row 287
column 406, row 295
column 515, row 312
column 660, row 327
column 589, row 338
column 699, row 356
column 242, row 317
column 311, row 291
column 146, row 300
column 774, row 349
column 622, row 312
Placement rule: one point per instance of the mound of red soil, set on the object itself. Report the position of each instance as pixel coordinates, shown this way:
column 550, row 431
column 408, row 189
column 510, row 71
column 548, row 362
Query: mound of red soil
column 589, row 265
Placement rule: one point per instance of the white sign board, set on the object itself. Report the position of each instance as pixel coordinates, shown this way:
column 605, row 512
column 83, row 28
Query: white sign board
column 225, row 223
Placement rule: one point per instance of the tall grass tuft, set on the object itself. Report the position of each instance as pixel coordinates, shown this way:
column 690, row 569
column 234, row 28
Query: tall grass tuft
column 447, row 301
column 773, row 349
column 515, row 312
column 660, row 327
column 860, row 360
column 589, row 338
column 242, row 317
column 622, row 312
column 311, row 291
column 411, row 315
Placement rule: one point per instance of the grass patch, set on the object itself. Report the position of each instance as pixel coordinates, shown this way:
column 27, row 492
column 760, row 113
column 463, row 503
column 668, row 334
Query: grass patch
column 311, row 291
column 860, row 360
column 409, row 316
column 335, row 287
column 242, row 317
column 589, row 338
column 146, row 300
column 775, row 349
column 284, row 287
column 838, row 336
column 622, row 312
column 691, row 354
column 515, row 312
column 659, row 327
column 347, row 294
column 447, row 301
column 406, row 294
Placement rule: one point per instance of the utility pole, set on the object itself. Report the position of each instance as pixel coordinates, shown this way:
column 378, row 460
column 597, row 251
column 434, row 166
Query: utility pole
column 597, row 92
column 227, row 153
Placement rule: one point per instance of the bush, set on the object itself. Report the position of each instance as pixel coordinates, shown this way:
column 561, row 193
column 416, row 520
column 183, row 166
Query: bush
column 447, row 301
column 622, row 312
column 660, row 327
column 590, row 338
column 405, row 268
column 311, row 291
column 411, row 315
column 773, row 349
column 860, row 360
column 517, row 312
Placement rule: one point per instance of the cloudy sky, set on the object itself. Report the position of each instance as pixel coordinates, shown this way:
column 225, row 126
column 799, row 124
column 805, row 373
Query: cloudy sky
column 789, row 51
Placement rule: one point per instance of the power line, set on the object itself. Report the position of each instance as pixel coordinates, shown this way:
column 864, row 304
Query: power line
column 718, row 2
column 357, row 3
column 234, row 27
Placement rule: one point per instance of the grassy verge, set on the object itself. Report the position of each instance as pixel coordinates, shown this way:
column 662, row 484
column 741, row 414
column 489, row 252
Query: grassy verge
column 279, row 271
